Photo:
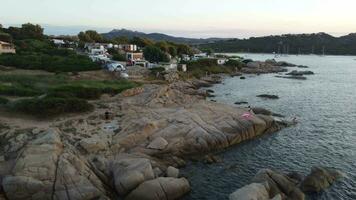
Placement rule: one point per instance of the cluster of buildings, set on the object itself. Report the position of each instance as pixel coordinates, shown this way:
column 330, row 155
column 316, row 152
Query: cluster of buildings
column 99, row 52
column 198, row 56
column 6, row 47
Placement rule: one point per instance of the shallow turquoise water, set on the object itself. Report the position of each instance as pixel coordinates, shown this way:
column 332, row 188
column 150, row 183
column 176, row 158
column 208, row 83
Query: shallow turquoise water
column 325, row 105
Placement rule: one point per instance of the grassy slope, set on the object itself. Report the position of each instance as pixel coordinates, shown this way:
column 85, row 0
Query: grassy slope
column 51, row 95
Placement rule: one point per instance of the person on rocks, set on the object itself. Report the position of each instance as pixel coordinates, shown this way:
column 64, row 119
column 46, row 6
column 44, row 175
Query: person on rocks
column 250, row 110
column 295, row 120
column 248, row 115
column 107, row 115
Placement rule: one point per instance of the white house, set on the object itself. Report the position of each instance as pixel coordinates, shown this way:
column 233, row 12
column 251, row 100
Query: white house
column 185, row 57
column 7, row 48
column 200, row 56
column 128, row 47
column 221, row 61
column 58, row 42
column 95, row 48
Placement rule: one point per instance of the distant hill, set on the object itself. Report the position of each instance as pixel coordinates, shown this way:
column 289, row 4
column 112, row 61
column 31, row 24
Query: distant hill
column 157, row 37
column 290, row 43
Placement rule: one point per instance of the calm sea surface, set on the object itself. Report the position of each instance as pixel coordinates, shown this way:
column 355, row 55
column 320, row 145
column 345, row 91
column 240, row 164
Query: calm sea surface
column 325, row 105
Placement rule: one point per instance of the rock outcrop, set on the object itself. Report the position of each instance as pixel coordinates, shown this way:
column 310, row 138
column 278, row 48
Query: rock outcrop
column 320, row 179
column 300, row 73
column 45, row 170
column 151, row 129
column 254, row 191
column 172, row 172
column 268, row 184
column 160, row 188
column 268, row 96
column 270, row 66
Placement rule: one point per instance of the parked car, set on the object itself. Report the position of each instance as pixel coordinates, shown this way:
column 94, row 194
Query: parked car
column 113, row 67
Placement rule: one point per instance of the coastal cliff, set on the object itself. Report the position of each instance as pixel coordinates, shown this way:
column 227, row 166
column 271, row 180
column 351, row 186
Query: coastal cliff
column 133, row 154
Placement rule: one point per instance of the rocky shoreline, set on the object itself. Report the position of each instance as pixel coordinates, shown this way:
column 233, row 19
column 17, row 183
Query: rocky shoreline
column 136, row 153
column 274, row 185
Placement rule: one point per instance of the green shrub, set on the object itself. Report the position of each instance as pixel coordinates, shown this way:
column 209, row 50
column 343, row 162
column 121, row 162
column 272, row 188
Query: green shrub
column 201, row 67
column 119, row 57
column 50, row 106
column 17, row 90
column 155, row 54
column 77, row 91
column 3, row 100
column 234, row 63
column 52, row 63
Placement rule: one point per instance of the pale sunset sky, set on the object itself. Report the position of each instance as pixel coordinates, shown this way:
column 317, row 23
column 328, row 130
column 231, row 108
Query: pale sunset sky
column 189, row 18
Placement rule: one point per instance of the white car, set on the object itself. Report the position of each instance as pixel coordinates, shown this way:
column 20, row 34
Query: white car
column 113, row 67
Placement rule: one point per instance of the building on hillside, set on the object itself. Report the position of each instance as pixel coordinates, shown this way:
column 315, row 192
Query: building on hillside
column 200, row 56
column 221, row 61
column 58, row 42
column 7, row 48
column 182, row 67
column 95, row 49
column 128, row 47
column 185, row 57
column 134, row 56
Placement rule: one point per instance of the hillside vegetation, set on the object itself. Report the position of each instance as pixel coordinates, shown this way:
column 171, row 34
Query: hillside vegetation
column 293, row 44
column 51, row 95
column 34, row 50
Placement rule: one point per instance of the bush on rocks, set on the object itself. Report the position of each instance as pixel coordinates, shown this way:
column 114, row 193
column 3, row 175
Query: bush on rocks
column 51, row 106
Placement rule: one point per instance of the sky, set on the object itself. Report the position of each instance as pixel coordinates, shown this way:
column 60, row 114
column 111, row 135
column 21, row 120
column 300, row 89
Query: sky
column 188, row 18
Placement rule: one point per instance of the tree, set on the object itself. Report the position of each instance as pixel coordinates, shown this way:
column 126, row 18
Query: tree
column 5, row 37
column 90, row 36
column 27, row 31
column 162, row 45
column 154, row 54
column 95, row 36
column 184, row 49
column 121, row 40
column 172, row 50
column 208, row 51
column 83, row 37
column 142, row 42
column 31, row 31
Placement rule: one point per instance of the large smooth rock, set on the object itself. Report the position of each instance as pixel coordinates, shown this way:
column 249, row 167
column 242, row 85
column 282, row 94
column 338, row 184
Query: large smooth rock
column 132, row 92
column 279, row 184
column 93, row 145
column 75, row 180
column 34, row 171
column 319, row 179
column 300, row 73
column 261, row 111
column 254, row 191
column 44, row 170
column 268, row 96
column 161, row 189
column 22, row 187
column 254, row 64
column 158, row 144
column 130, row 172
column 172, row 172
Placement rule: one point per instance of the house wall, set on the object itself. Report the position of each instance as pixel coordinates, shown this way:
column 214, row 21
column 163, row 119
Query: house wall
column 6, row 48
column 134, row 56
